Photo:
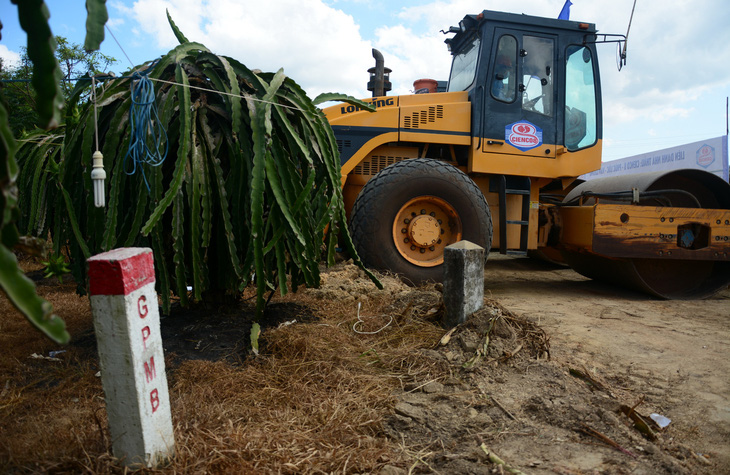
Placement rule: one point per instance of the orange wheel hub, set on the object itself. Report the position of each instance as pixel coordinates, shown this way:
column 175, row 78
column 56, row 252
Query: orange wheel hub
column 423, row 227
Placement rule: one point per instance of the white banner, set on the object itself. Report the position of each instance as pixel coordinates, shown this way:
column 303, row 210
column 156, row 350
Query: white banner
column 710, row 155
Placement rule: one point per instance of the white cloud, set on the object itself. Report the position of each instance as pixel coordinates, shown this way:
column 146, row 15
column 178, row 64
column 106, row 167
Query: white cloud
column 10, row 58
column 318, row 46
column 674, row 45
column 677, row 50
column 187, row 15
column 412, row 56
column 678, row 47
column 117, row 13
column 115, row 22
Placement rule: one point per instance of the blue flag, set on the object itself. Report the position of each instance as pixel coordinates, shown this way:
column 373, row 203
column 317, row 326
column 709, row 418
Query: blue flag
column 565, row 12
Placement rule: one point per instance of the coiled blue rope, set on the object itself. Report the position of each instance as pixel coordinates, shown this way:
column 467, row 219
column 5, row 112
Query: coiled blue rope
column 148, row 136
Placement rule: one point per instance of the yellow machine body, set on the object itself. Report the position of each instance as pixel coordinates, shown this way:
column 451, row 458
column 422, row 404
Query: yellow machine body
column 525, row 161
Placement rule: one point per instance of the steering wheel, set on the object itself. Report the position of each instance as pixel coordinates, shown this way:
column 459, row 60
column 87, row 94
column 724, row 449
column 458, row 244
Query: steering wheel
column 530, row 105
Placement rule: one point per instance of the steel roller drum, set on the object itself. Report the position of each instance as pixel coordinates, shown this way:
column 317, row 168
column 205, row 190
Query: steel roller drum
column 663, row 278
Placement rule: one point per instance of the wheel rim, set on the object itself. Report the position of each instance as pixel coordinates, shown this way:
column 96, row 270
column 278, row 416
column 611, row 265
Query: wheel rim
column 423, row 227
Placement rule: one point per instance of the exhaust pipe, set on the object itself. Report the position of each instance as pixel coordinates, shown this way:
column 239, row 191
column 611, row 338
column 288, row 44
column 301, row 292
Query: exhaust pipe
column 379, row 82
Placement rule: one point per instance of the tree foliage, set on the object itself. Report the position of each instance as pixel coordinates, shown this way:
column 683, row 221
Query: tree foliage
column 21, row 98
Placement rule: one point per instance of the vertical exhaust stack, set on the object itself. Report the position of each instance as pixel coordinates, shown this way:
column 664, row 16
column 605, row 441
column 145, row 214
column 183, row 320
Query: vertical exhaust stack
column 379, row 82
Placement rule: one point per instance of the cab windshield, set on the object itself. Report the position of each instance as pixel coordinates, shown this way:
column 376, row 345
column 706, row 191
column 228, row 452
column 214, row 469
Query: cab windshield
column 464, row 67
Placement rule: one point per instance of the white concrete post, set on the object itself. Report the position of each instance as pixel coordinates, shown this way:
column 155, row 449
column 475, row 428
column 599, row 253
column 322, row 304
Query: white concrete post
column 127, row 327
column 463, row 281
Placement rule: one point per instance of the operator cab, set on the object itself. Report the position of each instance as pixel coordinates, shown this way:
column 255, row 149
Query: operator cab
column 532, row 82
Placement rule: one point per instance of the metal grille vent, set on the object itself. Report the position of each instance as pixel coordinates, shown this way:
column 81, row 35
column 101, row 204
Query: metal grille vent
column 371, row 166
column 423, row 117
column 343, row 144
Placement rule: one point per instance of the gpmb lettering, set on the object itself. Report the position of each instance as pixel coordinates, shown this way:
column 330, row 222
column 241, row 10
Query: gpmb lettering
column 149, row 369
column 154, row 400
column 142, row 306
column 145, row 335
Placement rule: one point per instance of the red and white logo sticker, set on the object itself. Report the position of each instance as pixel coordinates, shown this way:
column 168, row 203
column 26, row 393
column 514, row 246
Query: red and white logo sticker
column 705, row 156
column 523, row 135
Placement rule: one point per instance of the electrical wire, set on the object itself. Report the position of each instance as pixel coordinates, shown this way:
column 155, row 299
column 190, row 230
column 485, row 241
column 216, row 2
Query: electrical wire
column 173, row 83
column 361, row 322
column 223, row 93
column 118, row 44
column 96, row 121
column 43, row 140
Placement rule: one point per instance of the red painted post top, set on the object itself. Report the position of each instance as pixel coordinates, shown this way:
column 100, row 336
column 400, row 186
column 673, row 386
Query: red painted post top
column 121, row 271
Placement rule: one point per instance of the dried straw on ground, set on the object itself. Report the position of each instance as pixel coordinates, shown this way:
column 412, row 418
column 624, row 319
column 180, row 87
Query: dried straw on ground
column 314, row 401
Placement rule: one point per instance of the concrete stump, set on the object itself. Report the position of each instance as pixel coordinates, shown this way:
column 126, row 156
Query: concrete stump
column 463, row 281
column 127, row 327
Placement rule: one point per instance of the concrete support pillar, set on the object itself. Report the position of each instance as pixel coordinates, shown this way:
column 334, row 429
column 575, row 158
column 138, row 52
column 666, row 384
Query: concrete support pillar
column 127, row 326
column 463, row 281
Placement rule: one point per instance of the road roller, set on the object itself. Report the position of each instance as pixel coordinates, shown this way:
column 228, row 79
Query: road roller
column 495, row 155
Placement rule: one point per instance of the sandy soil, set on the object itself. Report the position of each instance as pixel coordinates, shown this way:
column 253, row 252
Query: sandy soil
column 672, row 355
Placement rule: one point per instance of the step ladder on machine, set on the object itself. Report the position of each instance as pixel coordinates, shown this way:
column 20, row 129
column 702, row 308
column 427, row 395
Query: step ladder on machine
column 505, row 185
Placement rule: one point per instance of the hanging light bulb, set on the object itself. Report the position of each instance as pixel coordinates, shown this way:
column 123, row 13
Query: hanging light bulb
column 98, row 175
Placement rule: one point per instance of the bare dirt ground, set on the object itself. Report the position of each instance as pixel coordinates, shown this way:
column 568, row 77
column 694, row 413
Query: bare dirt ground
column 552, row 376
column 672, row 355
column 666, row 357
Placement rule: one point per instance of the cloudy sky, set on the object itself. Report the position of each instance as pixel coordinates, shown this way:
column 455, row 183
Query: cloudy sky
column 672, row 91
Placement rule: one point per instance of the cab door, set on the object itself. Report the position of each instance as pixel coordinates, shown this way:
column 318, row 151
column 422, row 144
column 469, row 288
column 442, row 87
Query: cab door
column 520, row 99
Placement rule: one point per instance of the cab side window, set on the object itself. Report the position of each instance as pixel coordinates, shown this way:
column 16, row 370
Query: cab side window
column 504, row 82
column 580, row 99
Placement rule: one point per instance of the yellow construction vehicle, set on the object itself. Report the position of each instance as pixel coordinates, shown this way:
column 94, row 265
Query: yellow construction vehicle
column 502, row 149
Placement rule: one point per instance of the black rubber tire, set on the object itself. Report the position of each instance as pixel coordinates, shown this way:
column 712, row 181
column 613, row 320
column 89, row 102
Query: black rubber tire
column 377, row 205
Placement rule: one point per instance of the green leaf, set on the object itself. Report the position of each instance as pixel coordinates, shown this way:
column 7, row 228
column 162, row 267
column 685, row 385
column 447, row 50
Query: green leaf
column 255, row 333
column 173, row 57
column 183, row 150
column 139, row 215
column 36, row 194
column 195, row 196
column 96, row 18
column 206, row 191
column 110, row 236
column 272, row 175
column 56, row 266
column 227, row 224
column 112, row 155
column 74, row 223
column 280, row 252
column 178, row 34
column 232, row 88
column 159, row 251
column 257, row 112
column 179, row 246
column 337, row 97
column 8, row 170
column 33, row 16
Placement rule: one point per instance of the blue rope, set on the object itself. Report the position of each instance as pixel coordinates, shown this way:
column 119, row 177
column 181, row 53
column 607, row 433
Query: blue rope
column 147, row 134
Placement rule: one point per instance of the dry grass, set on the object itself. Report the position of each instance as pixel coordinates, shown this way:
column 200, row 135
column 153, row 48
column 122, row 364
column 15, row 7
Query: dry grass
column 314, row 402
